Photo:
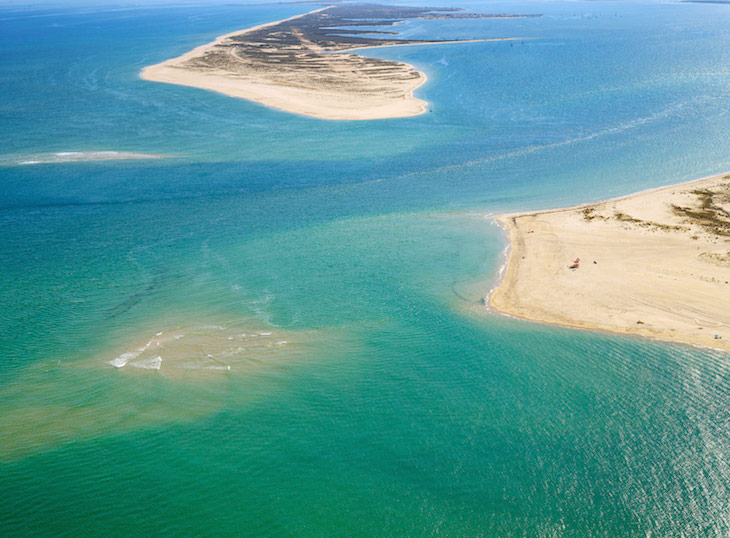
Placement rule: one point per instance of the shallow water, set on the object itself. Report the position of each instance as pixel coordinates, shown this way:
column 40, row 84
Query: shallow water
column 398, row 404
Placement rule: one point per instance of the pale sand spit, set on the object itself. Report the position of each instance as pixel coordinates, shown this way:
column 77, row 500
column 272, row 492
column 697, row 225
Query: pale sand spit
column 301, row 65
column 654, row 264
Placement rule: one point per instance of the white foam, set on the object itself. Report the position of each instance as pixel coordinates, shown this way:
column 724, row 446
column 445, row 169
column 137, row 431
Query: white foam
column 503, row 266
column 122, row 360
column 77, row 156
column 225, row 368
column 202, row 348
column 148, row 364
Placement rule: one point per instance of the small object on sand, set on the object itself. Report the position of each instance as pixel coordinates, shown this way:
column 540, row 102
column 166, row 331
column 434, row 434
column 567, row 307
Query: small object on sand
column 639, row 322
column 718, row 337
column 577, row 260
column 574, row 266
column 595, row 262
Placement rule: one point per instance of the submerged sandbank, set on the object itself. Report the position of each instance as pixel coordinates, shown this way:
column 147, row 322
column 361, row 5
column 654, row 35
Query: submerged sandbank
column 300, row 64
column 174, row 375
column 208, row 349
column 655, row 264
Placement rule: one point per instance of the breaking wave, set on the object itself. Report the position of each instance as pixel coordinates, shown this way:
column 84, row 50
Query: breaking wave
column 77, row 156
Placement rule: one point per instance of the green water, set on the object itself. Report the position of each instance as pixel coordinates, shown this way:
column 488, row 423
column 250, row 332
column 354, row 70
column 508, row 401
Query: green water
column 296, row 305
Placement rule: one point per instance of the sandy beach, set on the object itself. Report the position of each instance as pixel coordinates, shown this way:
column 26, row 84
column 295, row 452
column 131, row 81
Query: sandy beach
column 301, row 65
column 654, row 264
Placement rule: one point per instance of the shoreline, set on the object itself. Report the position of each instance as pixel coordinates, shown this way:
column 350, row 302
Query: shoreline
column 431, row 43
column 203, row 48
column 158, row 73
column 306, row 69
column 649, row 269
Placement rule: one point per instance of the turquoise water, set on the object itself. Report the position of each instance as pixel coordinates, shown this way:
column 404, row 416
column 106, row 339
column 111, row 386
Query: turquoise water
column 374, row 394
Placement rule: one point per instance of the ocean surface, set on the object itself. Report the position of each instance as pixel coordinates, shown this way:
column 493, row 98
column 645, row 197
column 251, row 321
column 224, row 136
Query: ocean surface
column 222, row 319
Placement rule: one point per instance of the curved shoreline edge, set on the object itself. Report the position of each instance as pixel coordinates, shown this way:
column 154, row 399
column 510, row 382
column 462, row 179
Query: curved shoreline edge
column 306, row 70
column 276, row 97
column 654, row 264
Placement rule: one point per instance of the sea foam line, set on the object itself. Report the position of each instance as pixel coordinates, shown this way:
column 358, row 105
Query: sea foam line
column 503, row 266
column 78, row 156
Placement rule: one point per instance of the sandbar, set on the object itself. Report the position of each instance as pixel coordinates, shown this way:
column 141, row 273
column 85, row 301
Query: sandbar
column 304, row 64
column 654, row 264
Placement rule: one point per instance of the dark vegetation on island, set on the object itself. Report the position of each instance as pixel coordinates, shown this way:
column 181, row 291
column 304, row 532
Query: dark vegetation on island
column 298, row 48
column 710, row 212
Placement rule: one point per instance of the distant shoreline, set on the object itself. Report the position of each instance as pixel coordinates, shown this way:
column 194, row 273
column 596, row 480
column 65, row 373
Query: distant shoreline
column 662, row 264
column 300, row 65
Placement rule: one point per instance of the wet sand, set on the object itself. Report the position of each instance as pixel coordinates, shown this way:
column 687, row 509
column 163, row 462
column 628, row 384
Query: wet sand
column 654, row 264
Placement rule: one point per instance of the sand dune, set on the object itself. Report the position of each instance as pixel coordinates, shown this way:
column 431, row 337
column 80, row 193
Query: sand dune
column 654, row 264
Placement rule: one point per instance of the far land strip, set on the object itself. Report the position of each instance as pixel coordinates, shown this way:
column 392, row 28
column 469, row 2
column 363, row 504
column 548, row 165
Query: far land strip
column 654, row 264
column 304, row 64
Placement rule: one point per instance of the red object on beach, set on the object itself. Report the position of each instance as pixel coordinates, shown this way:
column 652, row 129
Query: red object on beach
column 577, row 260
